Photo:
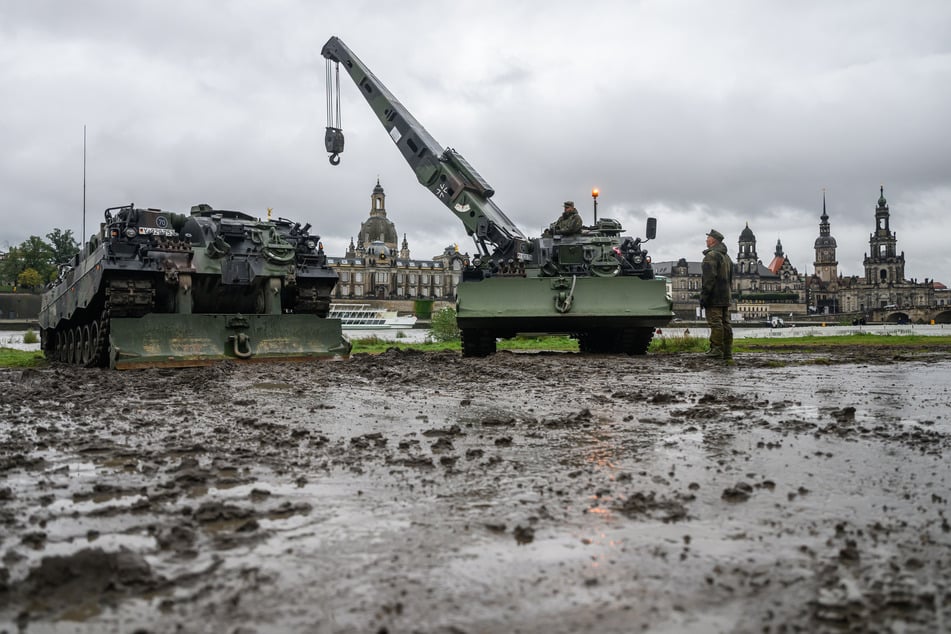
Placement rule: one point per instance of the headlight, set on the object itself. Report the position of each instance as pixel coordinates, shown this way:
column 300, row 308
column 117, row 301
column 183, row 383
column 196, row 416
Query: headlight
column 130, row 232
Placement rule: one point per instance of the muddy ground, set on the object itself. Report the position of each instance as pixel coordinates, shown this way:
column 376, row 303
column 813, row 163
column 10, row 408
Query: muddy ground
column 412, row 492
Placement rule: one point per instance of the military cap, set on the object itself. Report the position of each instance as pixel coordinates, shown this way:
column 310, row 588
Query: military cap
column 569, row 203
column 716, row 235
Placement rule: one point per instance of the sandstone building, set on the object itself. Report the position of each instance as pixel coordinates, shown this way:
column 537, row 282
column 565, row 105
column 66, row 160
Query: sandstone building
column 883, row 285
column 376, row 267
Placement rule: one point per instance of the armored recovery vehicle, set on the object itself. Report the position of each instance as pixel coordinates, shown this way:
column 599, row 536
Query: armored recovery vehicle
column 157, row 288
column 596, row 286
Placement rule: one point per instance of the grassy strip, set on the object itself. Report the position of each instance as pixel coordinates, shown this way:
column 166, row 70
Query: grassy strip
column 10, row 358
column 374, row 345
column 674, row 345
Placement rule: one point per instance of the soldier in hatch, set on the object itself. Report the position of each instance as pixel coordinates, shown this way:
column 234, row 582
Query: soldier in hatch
column 568, row 224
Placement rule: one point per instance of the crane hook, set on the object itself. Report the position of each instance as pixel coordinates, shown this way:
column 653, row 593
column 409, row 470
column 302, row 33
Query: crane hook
column 335, row 159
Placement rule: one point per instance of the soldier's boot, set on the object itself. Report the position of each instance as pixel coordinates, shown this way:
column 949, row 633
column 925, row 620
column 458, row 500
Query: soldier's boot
column 728, row 352
column 728, row 345
column 715, row 353
column 728, row 355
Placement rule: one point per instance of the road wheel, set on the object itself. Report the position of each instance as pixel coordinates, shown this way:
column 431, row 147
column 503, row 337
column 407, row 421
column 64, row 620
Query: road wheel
column 94, row 345
column 87, row 345
column 70, row 345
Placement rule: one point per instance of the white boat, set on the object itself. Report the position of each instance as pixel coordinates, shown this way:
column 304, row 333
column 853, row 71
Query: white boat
column 364, row 316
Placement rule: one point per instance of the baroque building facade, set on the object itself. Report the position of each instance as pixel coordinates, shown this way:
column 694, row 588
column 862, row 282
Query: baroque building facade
column 377, row 267
column 882, row 286
column 761, row 291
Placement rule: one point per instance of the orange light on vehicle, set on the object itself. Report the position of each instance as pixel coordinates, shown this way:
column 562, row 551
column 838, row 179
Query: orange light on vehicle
column 595, row 192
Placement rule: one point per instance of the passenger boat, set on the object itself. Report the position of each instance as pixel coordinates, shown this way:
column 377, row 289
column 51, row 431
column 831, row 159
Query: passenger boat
column 364, row 316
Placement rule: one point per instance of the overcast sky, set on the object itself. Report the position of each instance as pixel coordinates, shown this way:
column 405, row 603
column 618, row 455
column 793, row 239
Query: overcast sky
column 702, row 114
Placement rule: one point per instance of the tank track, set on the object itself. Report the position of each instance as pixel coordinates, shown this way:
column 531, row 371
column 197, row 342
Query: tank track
column 85, row 341
column 477, row 342
column 629, row 341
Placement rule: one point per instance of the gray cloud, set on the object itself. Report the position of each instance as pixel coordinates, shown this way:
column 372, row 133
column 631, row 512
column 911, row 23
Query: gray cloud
column 703, row 114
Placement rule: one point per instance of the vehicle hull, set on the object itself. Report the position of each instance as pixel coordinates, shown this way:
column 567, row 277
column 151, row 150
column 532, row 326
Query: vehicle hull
column 170, row 340
column 512, row 305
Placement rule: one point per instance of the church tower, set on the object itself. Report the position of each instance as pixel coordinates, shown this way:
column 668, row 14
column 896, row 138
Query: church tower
column 826, row 264
column 377, row 228
column 883, row 265
column 746, row 259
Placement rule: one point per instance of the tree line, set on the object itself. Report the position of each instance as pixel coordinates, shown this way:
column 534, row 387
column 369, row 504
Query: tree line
column 36, row 261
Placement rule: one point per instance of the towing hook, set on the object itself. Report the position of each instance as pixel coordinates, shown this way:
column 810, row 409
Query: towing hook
column 335, row 159
column 242, row 345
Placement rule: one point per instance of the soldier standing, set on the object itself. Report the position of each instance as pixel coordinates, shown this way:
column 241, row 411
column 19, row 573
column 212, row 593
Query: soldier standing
column 715, row 296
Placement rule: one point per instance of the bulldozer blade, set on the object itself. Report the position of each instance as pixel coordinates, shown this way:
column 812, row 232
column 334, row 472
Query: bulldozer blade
column 176, row 341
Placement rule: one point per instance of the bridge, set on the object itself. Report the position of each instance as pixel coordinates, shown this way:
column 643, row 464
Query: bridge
column 923, row 315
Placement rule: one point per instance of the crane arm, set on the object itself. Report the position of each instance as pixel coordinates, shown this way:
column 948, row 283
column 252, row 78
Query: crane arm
column 444, row 172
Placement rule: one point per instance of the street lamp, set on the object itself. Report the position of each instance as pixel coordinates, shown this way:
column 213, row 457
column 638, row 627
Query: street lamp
column 594, row 195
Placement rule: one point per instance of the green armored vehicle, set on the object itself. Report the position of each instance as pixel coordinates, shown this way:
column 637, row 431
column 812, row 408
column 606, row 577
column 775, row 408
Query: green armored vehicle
column 596, row 285
column 156, row 288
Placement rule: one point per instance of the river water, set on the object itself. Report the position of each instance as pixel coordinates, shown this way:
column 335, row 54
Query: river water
column 14, row 338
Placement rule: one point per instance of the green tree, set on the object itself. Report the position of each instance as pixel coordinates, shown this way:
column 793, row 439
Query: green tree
column 10, row 267
column 30, row 278
column 41, row 256
column 36, row 254
column 63, row 246
column 444, row 327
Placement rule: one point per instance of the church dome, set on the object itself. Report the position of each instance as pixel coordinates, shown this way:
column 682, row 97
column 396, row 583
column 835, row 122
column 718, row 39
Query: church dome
column 747, row 234
column 378, row 229
column 825, row 242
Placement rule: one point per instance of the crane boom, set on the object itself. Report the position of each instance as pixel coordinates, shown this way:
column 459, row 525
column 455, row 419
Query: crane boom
column 444, row 172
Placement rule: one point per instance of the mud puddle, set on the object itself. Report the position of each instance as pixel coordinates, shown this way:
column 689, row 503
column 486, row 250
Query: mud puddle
column 431, row 493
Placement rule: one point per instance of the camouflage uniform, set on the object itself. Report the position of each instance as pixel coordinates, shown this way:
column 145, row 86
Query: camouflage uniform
column 569, row 223
column 715, row 296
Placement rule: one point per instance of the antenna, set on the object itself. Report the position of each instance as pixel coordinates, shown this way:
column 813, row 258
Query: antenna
column 82, row 236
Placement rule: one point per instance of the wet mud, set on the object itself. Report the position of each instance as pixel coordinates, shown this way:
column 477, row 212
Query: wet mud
column 422, row 492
